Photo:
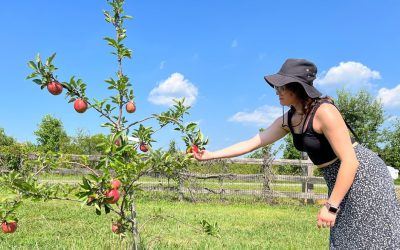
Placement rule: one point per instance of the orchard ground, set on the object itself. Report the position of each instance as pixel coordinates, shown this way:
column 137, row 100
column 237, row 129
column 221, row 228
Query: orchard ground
column 242, row 224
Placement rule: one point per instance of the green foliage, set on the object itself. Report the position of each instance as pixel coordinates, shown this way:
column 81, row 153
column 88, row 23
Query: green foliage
column 12, row 156
column 4, row 139
column 364, row 114
column 391, row 150
column 85, row 144
column 51, row 135
column 290, row 152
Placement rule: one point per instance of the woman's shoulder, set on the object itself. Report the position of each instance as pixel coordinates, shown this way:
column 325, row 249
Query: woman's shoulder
column 327, row 110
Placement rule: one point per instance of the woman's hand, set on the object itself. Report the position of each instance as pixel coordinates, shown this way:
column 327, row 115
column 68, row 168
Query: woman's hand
column 325, row 218
column 203, row 155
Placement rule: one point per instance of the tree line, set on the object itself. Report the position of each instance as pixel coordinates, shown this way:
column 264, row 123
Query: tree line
column 361, row 110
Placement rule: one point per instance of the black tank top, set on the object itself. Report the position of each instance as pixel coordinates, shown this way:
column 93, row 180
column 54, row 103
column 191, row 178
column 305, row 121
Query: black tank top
column 315, row 144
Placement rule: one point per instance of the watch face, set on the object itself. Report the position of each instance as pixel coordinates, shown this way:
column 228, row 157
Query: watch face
column 333, row 210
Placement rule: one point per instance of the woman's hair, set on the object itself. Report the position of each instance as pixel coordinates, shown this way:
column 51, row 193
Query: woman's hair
column 308, row 102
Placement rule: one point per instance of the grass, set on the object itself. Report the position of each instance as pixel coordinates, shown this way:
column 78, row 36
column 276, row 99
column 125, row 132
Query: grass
column 64, row 225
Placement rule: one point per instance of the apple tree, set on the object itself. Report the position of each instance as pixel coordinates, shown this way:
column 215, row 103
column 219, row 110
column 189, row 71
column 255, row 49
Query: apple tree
column 112, row 186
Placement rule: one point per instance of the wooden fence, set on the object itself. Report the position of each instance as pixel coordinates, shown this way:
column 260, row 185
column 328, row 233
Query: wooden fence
column 265, row 184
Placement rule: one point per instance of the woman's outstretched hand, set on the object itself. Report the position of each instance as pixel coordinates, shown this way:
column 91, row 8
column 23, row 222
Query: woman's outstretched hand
column 203, row 155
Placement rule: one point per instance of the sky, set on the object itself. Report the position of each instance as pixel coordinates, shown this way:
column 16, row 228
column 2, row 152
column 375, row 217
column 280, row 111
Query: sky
column 213, row 53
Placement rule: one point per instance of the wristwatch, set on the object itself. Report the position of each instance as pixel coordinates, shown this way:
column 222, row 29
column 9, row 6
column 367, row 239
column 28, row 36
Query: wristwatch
column 331, row 208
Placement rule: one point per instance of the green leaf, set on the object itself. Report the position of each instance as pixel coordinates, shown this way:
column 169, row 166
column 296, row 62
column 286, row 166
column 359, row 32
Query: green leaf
column 32, row 65
column 107, row 209
column 38, row 58
column 50, row 59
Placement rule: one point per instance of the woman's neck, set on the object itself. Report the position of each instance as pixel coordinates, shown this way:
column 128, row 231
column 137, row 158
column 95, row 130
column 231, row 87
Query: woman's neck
column 299, row 109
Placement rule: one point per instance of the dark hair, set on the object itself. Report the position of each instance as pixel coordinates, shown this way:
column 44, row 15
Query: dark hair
column 308, row 102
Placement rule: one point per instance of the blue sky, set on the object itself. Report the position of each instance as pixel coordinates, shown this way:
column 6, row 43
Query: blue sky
column 215, row 53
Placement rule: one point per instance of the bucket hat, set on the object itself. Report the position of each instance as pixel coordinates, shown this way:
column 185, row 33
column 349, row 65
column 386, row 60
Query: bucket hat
column 296, row 70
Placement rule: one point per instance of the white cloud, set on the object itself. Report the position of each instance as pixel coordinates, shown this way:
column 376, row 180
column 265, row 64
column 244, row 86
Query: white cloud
column 234, row 43
column 262, row 116
column 175, row 87
column 390, row 97
column 349, row 74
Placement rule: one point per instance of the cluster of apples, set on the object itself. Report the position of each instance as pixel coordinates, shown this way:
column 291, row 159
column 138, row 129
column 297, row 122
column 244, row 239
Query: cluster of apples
column 113, row 193
column 80, row 105
column 55, row 88
column 9, row 227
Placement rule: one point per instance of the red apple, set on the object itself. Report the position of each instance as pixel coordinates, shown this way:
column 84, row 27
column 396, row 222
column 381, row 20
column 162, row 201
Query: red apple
column 115, row 184
column 130, row 107
column 195, row 149
column 116, row 228
column 54, row 87
column 80, row 105
column 144, row 147
column 118, row 142
column 9, row 227
column 114, row 194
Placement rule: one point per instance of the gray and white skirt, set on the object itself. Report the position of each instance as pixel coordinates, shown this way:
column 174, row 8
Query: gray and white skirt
column 369, row 215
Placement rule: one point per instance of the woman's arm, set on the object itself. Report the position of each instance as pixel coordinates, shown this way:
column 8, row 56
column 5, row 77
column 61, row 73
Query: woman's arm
column 330, row 122
column 267, row 136
column 335, row 130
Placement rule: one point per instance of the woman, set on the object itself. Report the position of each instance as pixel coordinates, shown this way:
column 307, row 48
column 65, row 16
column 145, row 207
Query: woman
column 362, row 210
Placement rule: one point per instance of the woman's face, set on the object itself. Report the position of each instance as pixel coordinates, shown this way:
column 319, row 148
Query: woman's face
column 286, row 96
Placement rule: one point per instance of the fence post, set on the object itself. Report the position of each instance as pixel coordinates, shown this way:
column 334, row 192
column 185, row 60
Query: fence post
column 180, row 186
column 307, row 187
column 267, row 171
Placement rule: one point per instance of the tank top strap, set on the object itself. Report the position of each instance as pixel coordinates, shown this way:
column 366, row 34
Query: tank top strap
column 312, row 114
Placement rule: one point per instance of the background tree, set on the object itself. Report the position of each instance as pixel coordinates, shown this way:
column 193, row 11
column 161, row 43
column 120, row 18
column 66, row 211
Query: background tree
column 364, row 114
column 86, row 144
column 290, row 152
column 391, row 149
column 51, row 135
column 4, row 139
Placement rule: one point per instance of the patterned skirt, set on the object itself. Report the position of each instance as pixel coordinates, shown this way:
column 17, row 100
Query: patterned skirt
column 369, row 215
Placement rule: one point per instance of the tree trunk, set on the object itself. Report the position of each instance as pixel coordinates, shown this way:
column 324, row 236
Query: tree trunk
column 135, row 232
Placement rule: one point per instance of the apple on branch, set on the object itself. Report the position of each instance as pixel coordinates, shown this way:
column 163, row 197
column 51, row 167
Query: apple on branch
column 54, row 87
column 116, row 228
column 115, row 184
column 144, row 147
column 114, row 194
column 80, row 105
column 130, row 107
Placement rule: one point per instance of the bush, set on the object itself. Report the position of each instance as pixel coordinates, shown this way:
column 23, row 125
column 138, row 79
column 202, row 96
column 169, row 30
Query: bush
column 12, row 156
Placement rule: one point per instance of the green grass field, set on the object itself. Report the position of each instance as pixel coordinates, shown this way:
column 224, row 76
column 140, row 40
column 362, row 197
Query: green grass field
column 64, row 225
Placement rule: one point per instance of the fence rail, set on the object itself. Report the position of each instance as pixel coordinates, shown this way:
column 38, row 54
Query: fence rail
column 262, row 184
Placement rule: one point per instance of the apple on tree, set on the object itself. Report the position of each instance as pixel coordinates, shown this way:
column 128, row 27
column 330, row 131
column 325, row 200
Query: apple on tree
column 115, row 184
column 54, row 87
column 130, row 107
column 9, row 227
column 80, row 105
column 114, row 194
column 143, row 147
column 116, row 227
